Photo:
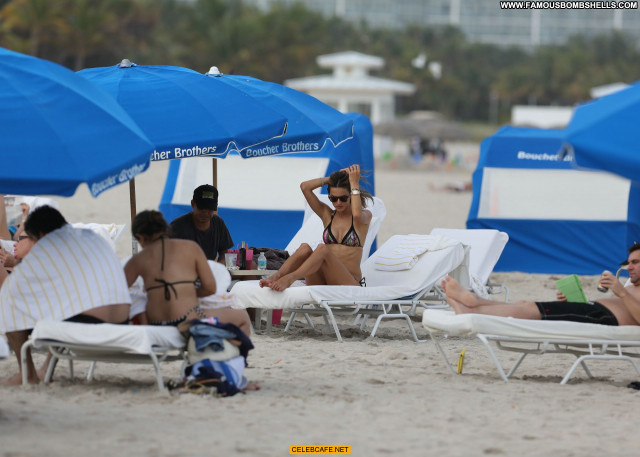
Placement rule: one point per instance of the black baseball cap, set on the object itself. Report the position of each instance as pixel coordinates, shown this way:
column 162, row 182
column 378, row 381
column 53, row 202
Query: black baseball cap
column 206, row 197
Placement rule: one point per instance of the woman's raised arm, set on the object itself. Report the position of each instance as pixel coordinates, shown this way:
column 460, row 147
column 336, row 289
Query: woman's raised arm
column 361, row 215
column 307, row 188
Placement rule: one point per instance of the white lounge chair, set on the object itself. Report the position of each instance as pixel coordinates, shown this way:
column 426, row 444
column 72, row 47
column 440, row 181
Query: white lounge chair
column 486, row 247
column 105, row 342
column 311, row 233
column 397, row 294
column 523, row 336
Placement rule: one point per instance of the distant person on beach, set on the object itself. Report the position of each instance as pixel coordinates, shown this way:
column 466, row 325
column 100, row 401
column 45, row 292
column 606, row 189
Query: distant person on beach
column 460, row 186
column 203, row 225
column 69, row 274
column 337, row 260
column 175, row 274
column 621, row 309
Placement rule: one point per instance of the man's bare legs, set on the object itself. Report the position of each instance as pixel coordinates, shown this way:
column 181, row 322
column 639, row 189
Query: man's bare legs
column 321, row 260
column 292, row 264
column 16, row 340
column 463, row 301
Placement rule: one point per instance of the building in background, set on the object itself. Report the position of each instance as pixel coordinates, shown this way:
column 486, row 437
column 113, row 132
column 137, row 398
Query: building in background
column 482, row 21
column 350, row 88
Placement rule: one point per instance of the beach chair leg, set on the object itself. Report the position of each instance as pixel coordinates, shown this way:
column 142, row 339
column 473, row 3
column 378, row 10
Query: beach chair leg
column 269, row 320
column 397, row 316
column 515, row 367
column 290, row 320
column 586, row 369
column 364, row 321
column 331, row 317
column 156, row 367
column 52, row 366
column 23, row 360
column 257, row 320
column 309, row 321
column 413, row 330
column 92, row 370
column 580, row 361
column 493, row 357
column 444, row 356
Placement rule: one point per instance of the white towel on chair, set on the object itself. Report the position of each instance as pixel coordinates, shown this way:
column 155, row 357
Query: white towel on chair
column 405, row 256
column 67, row 272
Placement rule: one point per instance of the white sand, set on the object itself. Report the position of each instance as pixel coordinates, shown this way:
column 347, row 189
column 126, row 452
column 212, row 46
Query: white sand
column 382, row 396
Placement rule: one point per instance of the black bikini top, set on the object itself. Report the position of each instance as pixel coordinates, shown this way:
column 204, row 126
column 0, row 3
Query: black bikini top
column 168, row 286
column 350, row 238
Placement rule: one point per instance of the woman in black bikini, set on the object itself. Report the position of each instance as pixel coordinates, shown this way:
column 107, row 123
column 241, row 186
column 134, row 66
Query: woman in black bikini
column 171, row 270
column 337, row 260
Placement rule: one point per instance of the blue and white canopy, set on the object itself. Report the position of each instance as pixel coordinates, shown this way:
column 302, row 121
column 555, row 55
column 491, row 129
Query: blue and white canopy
column 57, row 130
column 260, row 198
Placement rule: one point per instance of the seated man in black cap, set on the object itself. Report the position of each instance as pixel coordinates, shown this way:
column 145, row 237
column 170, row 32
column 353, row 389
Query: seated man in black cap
column 203, row 225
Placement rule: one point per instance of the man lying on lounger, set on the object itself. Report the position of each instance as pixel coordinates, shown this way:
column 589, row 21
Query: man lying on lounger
column 69, row 274
column 621, row 309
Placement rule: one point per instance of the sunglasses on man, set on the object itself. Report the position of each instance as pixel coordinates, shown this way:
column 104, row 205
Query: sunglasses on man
column 342, row 198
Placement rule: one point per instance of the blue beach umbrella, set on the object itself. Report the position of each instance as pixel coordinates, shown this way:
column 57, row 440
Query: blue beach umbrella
column 312, row 124
column 185, row 113
column 604, row 134
column 260, row 198
column 57, row 131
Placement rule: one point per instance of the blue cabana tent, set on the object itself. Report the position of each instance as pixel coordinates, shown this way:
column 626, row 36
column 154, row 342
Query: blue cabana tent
column 603, row 134
column 559, row 219
column 260, row 198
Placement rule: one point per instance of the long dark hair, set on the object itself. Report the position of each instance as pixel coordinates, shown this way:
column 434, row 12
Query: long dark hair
column 341, row 179
column 149, row 223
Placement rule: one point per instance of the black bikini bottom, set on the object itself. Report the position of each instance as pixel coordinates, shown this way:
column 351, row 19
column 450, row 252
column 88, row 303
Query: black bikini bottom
column 85, row 319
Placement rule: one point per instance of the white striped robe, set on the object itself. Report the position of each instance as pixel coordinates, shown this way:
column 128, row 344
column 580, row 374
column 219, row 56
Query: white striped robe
column 67, row 272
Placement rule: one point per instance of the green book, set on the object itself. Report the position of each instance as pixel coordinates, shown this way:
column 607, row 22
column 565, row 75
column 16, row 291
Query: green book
column 572, row 289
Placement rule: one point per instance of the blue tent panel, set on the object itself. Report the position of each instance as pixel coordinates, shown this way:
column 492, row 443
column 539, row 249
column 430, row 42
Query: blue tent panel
column 550, row 245
column 555, row 247
column 265, row 228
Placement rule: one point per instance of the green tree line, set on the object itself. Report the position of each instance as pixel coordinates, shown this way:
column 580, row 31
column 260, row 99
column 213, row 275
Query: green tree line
column 284, row 42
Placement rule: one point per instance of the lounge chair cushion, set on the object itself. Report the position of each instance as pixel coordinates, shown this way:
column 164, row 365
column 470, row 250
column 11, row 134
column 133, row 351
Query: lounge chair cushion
column 445, row 321
column 139, row 339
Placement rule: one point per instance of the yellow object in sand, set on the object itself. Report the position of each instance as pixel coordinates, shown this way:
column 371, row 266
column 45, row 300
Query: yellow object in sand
column 460, row 361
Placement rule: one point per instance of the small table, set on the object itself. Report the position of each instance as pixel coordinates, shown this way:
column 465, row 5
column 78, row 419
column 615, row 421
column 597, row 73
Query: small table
column 239, row 274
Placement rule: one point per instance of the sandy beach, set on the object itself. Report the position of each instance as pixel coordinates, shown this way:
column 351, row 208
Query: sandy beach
column 382, row 396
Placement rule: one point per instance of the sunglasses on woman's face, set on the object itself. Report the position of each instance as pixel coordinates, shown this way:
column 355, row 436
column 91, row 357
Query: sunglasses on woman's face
column 342, row 198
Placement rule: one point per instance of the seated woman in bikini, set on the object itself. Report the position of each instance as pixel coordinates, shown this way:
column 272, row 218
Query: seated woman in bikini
column 337, row 260
column 171, row 269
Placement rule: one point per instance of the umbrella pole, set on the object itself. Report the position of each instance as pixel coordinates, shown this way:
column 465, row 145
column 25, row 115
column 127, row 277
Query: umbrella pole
column 132, row 204
column 215, row 173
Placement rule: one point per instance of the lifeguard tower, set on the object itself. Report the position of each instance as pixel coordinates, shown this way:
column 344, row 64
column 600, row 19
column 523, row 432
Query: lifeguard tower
column 350, row 88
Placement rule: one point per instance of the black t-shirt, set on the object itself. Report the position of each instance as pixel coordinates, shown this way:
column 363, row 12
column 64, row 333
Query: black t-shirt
column 213, row 240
